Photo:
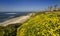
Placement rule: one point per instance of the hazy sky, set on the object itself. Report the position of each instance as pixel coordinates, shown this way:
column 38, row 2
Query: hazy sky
column 26, row 5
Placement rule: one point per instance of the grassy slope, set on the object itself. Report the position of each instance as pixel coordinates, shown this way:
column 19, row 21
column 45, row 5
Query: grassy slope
column 46, row 23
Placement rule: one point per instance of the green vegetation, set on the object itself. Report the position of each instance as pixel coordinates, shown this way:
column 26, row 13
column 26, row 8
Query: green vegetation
column 9, row 30
column 42, row 24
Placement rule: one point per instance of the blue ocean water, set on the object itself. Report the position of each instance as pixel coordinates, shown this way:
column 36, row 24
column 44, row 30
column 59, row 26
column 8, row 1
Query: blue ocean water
column 8, row 15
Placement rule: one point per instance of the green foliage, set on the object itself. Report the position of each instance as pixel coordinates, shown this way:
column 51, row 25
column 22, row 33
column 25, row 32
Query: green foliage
column 44, row 24
column 5, row 31
column 9, row 30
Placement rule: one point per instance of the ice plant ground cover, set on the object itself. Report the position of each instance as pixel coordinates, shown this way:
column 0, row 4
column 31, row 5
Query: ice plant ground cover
column 42, row 24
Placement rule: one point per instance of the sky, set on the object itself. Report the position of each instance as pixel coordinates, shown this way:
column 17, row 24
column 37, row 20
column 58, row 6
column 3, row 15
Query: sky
column 26, row 5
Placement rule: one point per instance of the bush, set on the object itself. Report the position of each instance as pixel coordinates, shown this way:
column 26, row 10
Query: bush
column 9, row 30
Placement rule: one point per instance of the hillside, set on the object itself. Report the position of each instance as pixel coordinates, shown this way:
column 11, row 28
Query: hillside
column 42, row 24
column 9, row 27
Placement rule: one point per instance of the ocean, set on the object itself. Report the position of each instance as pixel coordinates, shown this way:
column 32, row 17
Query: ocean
column 8, row 15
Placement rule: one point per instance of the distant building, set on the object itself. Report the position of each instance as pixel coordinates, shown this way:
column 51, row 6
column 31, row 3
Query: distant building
column 58, row 9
